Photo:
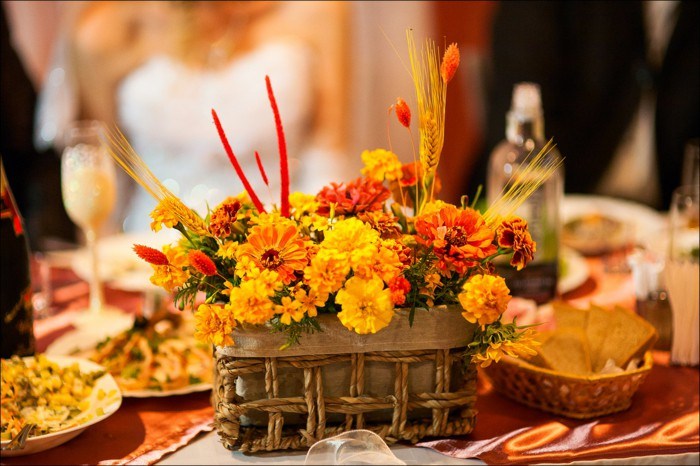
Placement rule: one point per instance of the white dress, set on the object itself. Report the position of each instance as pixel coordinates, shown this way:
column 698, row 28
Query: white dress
column 164, row 109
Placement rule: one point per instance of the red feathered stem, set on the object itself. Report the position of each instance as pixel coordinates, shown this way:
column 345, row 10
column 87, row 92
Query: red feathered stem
column 236, row 165
column 284, row 163
column 261, row 168
column 150, row 255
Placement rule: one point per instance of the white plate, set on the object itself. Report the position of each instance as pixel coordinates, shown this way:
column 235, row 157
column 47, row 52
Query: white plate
column 119, row 266
column 576, row 271
column 109, row 405
column 200, row 387
column 647, row 223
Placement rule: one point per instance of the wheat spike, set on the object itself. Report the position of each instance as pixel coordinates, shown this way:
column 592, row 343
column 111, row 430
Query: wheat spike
column 429, row 145
column 127, row 158
column 522, row 184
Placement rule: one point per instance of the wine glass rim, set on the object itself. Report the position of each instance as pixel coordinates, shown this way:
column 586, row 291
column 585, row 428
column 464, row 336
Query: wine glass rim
column 81, row 128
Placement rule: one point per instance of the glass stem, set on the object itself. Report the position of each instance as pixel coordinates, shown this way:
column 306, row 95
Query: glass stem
column 96, row 296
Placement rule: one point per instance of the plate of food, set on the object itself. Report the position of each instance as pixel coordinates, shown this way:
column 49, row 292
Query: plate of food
column 62, row 395
column 157, row 356
column 119, row 266
column 595, row 225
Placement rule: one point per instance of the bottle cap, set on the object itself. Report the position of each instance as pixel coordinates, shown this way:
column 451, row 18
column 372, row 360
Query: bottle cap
column 527, row 101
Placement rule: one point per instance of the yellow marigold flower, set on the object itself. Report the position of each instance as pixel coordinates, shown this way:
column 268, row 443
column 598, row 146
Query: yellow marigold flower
column 277, row 247
column 484, row 299
column 163, row 215
column 309, row 301
column 289, row 310
column 250, row 303
column 376, row 261
column 349, row 235
column 367, row 306
column 327, row 272
column 174, row 274
column 381, row 165
column 214, row 324
column 228, row 250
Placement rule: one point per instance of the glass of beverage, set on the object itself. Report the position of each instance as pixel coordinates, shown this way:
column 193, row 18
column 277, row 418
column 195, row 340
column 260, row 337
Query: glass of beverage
column 88, row 185
column 682, row 274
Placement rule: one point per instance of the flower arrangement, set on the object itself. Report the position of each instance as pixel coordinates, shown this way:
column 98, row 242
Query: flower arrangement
column 359, row 249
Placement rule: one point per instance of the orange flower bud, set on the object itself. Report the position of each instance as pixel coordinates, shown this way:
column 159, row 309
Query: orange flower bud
column 201, row 262
column 403, row 113
column 450, row 62
column 150, row 255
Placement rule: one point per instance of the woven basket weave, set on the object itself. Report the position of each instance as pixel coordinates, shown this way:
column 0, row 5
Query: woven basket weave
column 292, row 400
column 578, row 397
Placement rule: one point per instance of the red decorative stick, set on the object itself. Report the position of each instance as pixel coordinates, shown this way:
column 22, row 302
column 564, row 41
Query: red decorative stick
column 261, row 168
column 284, row 164
column 236, row 165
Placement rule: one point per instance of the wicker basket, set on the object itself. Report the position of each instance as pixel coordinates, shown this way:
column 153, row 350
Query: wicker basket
column 579, row 397
column 390, row 383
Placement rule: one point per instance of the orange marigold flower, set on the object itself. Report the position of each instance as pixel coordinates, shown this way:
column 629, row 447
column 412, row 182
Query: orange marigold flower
column 403, row 113
column 223, row 217
column 484, row 299
column 513, row 233
column 276, row 247
column 459, row 237
column 361, row 195
column 150, row 255
column 201, row 262
column 399, row 287
column 450, row 62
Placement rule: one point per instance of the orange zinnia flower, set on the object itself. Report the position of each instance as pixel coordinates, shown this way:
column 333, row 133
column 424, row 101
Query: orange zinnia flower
column 276, row 247
column 460, row 238
column 512, row 233
column 361, row 195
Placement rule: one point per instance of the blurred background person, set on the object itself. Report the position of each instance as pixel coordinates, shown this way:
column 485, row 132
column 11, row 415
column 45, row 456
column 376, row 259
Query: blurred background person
column 620, row 86
column 157, row 69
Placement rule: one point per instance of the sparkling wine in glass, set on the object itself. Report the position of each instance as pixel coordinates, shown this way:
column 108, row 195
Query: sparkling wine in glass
column 88, row 185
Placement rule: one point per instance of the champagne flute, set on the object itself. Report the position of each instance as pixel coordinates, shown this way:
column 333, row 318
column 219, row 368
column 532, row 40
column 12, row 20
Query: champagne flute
column 88, row 185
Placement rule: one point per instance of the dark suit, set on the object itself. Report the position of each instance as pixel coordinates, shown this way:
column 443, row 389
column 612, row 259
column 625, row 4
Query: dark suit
column 590, row 61
column 34, row 178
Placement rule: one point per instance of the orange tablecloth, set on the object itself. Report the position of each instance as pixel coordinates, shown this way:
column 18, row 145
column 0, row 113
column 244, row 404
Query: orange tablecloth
column 663, row 418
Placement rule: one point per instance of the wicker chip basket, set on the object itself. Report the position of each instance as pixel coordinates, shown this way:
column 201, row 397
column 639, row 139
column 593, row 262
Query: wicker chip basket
column 401, row 383
column 579, row 397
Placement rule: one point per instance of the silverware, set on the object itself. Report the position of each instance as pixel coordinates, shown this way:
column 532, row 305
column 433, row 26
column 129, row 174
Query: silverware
column 20, row 439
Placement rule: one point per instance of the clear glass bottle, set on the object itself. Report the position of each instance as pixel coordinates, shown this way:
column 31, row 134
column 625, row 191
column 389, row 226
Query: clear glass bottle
column 524, row 139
